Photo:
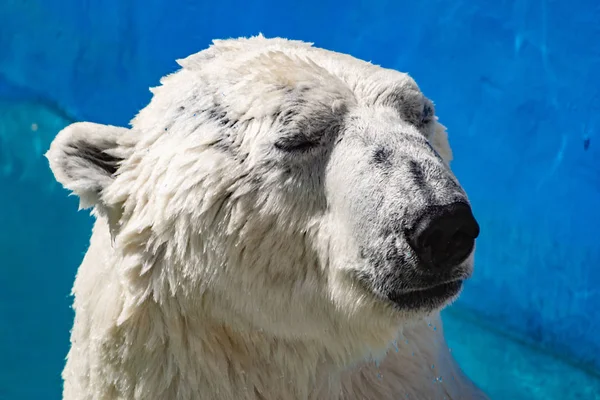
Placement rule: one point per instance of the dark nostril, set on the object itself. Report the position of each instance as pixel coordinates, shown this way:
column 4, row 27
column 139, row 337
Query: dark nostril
column 445, row 235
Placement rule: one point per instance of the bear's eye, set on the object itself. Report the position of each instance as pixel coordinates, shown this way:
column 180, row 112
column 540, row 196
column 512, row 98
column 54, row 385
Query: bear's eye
column 296, row 143
column 427, row 114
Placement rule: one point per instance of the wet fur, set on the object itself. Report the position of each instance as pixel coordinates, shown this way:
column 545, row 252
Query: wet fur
column 223, row 258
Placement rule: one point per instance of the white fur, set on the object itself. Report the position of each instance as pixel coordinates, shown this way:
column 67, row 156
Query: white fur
column 211, row 273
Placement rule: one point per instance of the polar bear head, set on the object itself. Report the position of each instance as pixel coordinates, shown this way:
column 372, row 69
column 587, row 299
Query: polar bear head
column 274, row 186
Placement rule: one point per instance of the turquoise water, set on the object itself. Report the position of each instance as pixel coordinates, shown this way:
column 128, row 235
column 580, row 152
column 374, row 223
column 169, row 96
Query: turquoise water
column 509, row 367
column 516, row 83
column 42, row 240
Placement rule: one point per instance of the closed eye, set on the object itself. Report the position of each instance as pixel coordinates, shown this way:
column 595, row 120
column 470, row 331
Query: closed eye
column 427, row 114
column 297, row 143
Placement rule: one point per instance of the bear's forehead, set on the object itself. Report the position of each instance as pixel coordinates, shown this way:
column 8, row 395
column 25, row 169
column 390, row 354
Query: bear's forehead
column 259, row 78
column 261, row 67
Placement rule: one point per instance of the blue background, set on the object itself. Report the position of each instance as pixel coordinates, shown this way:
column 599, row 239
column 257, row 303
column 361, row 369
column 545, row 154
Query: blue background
column 515, row 82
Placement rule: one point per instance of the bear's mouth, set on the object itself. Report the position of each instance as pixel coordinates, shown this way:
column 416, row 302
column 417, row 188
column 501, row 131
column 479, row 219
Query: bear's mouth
column 426, row 299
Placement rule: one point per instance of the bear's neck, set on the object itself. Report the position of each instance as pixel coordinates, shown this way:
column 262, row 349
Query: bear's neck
column 201, row 359
column 196, row 358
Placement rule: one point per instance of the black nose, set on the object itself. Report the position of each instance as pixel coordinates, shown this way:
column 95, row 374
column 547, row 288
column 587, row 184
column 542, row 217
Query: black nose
column 444, row 236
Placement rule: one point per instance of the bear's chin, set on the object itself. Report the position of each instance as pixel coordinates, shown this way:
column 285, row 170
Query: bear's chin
column 426, row 299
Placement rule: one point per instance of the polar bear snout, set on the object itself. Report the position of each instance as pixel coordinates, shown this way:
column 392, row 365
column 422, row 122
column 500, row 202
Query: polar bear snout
column 444, row 236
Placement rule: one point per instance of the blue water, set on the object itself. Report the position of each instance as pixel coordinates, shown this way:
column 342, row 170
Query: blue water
column 516, row 82
column 508, row 368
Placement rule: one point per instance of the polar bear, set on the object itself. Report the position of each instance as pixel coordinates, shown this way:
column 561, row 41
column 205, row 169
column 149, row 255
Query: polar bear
column 280, row 222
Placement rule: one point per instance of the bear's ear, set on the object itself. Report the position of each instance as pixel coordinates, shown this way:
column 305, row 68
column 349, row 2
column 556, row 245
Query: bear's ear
column 84, row 158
